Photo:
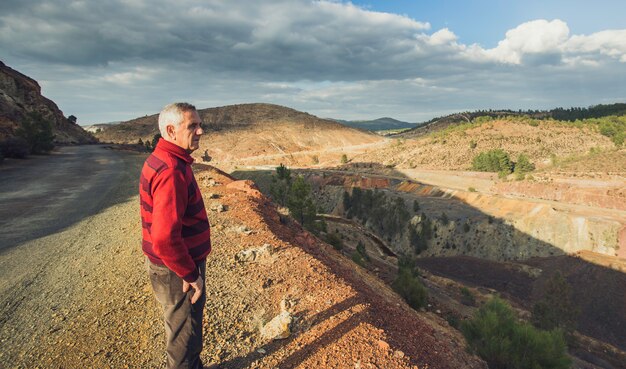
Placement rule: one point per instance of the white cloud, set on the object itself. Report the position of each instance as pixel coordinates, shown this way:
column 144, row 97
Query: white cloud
column 611, row 43
column 443, row 36
column 534, row 37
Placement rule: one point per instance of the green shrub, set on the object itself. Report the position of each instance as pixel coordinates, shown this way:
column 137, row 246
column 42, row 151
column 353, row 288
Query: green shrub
column 444, row 219
column 155, row 140
column 471, row 189
column 334, row 240
column 37, row 132
column 556, row 309
column 467, row 297
column 408, row 285
column 495, row 335
column 360, row 248
column 358, row 258
column 14, row 147
column 492, row 161
column 523, row 164
column 300, row 203
column 473, row 144
column 344, row 159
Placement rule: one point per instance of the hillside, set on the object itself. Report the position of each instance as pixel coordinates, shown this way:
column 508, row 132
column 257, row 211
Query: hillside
column 20, row 95
column 549, row 144
column 256, row 134
column 380, row 124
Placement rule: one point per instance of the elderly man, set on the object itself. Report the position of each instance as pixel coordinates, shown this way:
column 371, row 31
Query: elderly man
column 176, row 233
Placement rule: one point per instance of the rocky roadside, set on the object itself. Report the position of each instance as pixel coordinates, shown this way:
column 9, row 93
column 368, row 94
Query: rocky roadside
column 80, row 298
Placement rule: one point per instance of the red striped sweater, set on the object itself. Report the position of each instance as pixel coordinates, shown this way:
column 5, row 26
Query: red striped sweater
column 176, row 230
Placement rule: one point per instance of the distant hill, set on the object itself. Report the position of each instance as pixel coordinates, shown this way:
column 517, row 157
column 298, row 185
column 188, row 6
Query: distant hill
column 256, row 134
column 21, row 95
column 570, row 114
column 380, row 124
column 93, row 128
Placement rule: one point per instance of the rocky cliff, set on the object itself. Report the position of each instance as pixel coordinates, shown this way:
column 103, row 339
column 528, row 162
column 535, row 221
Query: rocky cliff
column 20, row 95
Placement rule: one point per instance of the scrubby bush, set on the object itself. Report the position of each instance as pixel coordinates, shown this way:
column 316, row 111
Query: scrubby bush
column 467, row 297
column 344, row 159
column 523, row 164
column 37, row 132
column 444, row 219
column 300, row 203
column 358, row 258
column 496, row 336
column 614, row 128
column 493, row 161
column 334, row 240
column 14, row 147
column 408, row 285
column 296, row 195
column 556, row 309
column 360, row 248
column 418, row 238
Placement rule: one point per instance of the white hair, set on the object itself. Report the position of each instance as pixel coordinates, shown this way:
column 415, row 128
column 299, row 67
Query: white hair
column 173, row 114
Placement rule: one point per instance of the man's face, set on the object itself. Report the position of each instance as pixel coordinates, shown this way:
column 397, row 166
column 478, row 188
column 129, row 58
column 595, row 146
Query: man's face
column 187, row 134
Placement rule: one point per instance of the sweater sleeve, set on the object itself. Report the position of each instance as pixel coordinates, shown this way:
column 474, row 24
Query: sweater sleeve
column 169, row 192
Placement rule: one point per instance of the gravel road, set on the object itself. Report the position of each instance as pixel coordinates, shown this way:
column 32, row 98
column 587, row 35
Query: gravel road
column 45, row 194
column 61, row 217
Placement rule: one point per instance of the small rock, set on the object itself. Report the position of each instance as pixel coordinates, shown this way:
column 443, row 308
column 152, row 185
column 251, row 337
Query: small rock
column 277, row 328
column 398, row 354
column 254, row 254
column 261, row 351
column 383, row 345
column 268, row 282
column 243, row 229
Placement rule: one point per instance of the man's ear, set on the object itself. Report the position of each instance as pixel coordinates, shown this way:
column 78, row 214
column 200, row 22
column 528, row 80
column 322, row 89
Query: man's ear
column 171, row 132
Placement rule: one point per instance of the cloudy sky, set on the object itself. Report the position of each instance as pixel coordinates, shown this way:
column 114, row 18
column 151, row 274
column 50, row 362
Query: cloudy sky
column 411, row 60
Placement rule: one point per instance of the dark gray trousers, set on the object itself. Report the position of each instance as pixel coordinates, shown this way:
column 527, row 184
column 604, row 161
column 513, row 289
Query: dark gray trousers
column 183, row 320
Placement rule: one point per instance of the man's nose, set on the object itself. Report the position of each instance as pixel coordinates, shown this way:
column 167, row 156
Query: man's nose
column 199, row 131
